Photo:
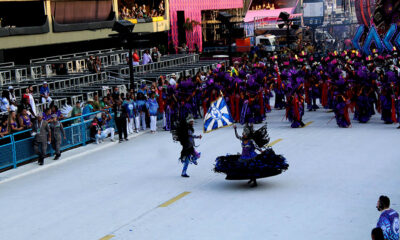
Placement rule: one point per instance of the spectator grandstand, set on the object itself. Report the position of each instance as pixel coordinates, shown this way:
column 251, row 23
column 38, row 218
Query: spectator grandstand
column 75, row 80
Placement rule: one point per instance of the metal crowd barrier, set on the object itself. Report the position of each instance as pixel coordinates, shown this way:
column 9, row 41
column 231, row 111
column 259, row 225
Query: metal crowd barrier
column 17, row 148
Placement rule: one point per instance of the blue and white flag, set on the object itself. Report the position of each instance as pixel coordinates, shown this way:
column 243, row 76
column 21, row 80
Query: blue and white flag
column 218, row 116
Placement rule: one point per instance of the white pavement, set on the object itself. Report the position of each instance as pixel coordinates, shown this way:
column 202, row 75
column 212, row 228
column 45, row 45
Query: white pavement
column 329, row 192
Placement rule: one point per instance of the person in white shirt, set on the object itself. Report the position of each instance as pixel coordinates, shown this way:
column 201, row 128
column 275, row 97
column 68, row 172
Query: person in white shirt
column 32, row 101
column 4, row 103
column 172, row 80
column 12, row 97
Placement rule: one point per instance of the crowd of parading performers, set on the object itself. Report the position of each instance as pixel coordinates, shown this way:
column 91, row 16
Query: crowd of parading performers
column 343, row 82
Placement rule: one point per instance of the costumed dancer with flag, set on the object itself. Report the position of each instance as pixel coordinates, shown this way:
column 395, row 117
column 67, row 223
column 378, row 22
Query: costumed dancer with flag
column 184, row 133
column 249, row 165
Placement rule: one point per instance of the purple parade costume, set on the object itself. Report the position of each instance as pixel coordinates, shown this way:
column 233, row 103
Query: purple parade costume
column 250, row 165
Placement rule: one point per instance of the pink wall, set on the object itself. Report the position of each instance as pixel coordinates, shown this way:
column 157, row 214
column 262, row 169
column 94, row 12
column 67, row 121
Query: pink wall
column 193, row 10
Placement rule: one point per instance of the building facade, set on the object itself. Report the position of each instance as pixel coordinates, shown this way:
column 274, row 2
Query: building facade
column 192, row 10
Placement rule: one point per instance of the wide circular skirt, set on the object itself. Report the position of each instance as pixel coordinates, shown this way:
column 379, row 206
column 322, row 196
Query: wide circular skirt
column 266, row 164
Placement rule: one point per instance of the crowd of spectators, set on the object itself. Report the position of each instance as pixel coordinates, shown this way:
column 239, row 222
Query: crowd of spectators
column 139, row 11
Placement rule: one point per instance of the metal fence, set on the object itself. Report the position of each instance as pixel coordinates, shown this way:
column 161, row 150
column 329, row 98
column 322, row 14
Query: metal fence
column 17, row 148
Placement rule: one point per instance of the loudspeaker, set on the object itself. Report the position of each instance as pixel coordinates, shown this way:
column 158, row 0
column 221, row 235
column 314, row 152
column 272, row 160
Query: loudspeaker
column 123, row 26
column 284, row 16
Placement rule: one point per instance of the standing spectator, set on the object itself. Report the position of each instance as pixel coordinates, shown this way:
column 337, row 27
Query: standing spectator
column 24, row 120
column 91, row 65
column 131, row 109
column 184, row 49
column 116, row 95
column 152, row 105
column 377, row 234
column 95, row 131
column 141, row 104
column 12, row 98
column 57, row 130
column 389, row 219
column 29, row 100
column 106, row 127
column 97, row 64
column 172, row 80
column 42, row 137
column 120, row 120
column 155, row 55
column 136, row 58
column 45, row 93
column 161, row 8
column 4, row 103
column 146, row 57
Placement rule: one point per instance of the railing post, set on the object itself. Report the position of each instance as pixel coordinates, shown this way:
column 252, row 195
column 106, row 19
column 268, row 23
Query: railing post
column 14, row 152
column 83, row 129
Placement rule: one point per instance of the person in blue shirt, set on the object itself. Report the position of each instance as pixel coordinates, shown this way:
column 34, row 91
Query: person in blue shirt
column 131, row 109
column 152, row 106
column 45, row 93
column 389, row 219
column 106, row 126
column 88, row 109
column 141, row 104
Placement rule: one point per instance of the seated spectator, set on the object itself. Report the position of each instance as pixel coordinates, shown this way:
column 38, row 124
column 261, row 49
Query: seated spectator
column 76, row 112
column 46, row 115
column 153, row 13
column 12, row 121
column 45, row 93
column 4, row 128
column 105, row 104
column 25, row 105
column 24, row 120
column 54, row 110
column 106, row 126
column 88, row 109
column 146, row 57
column 4, row 103
column 377, row 234
column 95, row 131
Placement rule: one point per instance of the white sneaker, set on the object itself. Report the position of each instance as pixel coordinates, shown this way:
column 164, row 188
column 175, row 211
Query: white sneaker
column 112, row 140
